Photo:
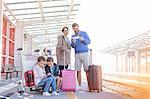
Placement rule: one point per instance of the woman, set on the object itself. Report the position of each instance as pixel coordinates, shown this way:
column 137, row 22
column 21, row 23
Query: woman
column 52, row 69
column 63, row 45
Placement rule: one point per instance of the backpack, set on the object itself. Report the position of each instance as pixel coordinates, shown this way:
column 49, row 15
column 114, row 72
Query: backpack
column 29, row 78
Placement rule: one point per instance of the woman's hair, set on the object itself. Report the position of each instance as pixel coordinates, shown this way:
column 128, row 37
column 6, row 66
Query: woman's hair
column 40, row 58
column 50, row 59
column 64, row 28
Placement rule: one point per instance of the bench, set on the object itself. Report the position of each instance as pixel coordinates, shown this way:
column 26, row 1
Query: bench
column 9, row 69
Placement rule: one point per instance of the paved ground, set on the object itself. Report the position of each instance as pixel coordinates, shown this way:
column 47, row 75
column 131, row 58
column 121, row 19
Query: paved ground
column 6, row 85
column 12, row 94
column 8, row 89
column 77, row 95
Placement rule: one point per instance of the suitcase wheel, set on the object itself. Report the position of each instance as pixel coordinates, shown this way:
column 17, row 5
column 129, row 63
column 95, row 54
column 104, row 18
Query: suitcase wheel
column 101, row 90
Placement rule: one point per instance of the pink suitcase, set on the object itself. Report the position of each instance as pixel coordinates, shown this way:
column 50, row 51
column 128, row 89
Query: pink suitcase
column 69, row 80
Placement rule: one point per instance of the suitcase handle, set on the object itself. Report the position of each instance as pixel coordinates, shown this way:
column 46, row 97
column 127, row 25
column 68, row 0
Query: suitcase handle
column 90, row 58
column 65, row 60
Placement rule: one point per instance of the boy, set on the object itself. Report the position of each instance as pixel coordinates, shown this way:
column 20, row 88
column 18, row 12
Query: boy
column 52, row 69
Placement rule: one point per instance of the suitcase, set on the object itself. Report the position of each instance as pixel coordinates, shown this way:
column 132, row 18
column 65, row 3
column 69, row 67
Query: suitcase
column 95, row 76
column 69, row 80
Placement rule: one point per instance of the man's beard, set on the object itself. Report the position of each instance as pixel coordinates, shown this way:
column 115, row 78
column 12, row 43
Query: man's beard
column 77, row 31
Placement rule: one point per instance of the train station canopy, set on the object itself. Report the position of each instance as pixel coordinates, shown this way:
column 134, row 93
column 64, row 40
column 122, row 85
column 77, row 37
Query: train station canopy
column 44, row 18
column 139, row 42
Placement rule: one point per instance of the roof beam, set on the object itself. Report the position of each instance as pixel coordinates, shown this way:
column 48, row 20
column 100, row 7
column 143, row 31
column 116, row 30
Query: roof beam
column 36, row 24
column 40, row 27
column 49, row 32
column 10, row 11
column 69, row 11
column 29, row 22
column 36, row 29
column 46, row 42
column 34, row 1
column 43, row 7
column 32, row 28
column 44, row 12
column 54, row 33
column 14, row 3
column 46, row 17
column 47, row 45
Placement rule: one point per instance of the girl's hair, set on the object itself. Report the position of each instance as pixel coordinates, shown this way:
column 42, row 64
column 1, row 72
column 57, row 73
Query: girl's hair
column 40, row 58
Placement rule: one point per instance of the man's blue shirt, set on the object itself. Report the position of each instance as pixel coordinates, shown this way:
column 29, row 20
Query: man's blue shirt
column 81, row 46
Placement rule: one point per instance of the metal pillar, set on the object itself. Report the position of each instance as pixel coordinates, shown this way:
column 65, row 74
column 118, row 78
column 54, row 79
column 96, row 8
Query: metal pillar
column 1, row 30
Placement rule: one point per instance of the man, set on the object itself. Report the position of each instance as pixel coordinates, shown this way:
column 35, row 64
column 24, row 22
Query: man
column 79, row 42
column 42, row 79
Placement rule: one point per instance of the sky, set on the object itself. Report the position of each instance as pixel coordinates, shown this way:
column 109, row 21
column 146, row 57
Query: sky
column 111, row 21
